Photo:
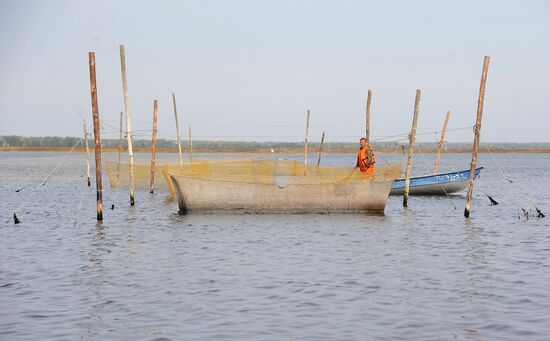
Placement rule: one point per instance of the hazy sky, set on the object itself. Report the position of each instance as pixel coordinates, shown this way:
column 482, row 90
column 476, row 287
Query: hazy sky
column 249, row 70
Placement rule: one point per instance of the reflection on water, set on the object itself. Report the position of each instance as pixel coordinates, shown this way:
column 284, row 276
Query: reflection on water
column 423, row 272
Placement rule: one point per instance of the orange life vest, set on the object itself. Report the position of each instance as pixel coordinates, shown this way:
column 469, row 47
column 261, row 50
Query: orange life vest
column 365, row 164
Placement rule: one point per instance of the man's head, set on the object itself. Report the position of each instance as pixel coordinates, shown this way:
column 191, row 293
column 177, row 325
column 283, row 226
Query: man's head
column 363, row 142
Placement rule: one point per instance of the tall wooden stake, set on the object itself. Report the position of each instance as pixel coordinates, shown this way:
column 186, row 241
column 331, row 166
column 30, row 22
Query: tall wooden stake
column 412, row 141
column 177, row 128
column 97, row 137
column 87, row 152
column 441, row 143
column 128, row 123
column 367, row 125
column 306, row 140
column 477, row 130
column 320, row 149
column 154, row 148
column 119, row 151
column 190, row 145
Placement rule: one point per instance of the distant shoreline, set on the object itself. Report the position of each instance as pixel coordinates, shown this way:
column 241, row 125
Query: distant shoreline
column 312, row 150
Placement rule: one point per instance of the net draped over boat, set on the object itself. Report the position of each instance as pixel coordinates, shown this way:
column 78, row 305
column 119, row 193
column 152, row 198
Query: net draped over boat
column 259, row 171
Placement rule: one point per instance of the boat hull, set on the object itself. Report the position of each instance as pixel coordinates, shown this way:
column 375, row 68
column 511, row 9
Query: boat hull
column 439, row 184
column 208, row 195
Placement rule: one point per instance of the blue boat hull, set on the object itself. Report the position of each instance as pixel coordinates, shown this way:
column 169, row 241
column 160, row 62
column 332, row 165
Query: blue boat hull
column 439, row 184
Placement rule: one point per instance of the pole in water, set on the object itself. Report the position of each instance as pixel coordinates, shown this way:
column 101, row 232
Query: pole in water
column 97, row 137
column 321, row 149
column 177, row 129
column 412, row 141
column 190, row 145
column 441, row 143
column 119, row 151
column 87, row 152
column 305, row 145
column 153, row 148
column 477, row 130
column 128, row 124
column 367, row 125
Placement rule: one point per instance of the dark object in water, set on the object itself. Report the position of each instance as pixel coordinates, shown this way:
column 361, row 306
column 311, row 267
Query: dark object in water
column 525, row 213
column 113, row 206
column 15, row 219
column 539, row 213
column 493, row 201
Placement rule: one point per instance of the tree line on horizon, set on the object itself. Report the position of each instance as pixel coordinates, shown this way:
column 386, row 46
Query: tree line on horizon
column 57, row 141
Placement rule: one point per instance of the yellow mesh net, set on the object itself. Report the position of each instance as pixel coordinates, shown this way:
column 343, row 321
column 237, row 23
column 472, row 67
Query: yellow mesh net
column 261, row 171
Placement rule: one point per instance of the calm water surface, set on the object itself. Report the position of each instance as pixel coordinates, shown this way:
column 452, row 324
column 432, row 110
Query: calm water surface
column 148, row 273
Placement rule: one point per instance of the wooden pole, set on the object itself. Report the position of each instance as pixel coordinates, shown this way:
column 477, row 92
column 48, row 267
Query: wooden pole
column 190, row 145
column 87, row 152
column 477, row 130
column 306, row 140
column 128, row 124
column 97, row 137
column 367, row 127
column 441, row 143
column 412, row 141
column 177, row 128
column 119, row 151
column 320, row 149
column 154, row 148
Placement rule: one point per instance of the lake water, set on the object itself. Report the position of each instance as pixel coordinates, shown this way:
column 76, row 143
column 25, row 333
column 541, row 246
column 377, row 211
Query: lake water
column 148, row 273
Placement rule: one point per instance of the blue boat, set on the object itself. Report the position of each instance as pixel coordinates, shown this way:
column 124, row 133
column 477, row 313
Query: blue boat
column 439, row 184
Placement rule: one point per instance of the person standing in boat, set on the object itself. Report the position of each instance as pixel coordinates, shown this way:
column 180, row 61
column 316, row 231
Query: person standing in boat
column 365, row 158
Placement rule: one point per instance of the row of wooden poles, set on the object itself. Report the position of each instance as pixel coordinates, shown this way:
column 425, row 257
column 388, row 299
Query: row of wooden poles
column 412, row 136
column 129, row 133
column 475, row 150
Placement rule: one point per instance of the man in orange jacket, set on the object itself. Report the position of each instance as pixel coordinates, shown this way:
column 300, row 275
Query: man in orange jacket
column 366, row 158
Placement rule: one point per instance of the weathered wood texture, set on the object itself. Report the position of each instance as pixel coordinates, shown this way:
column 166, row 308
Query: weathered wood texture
column 153, row 148
column 367, row 123
column 477, row 130
column 129, row 132
column 412, row 142
column 97, row 137
column 441, row 144
column 177, row 128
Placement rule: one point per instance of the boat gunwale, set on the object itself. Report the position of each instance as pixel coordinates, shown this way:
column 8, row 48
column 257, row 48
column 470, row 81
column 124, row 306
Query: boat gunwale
column 439, row 174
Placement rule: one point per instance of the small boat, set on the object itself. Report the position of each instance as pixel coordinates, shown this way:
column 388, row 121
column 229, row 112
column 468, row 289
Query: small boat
column 323, row 190
column 438, row 184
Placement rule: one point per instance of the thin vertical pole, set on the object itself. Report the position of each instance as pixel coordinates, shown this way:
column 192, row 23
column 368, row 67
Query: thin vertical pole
column 477, row 130
column 321, row 149
column 306, row 140
column 177, row 128
column 154, row 148
column 119, row 151
column 87, row 152
column 441, row 143
column 128, row 123
column 367, row 125
column 190, row 145
column 97, row 137
column 412, row 141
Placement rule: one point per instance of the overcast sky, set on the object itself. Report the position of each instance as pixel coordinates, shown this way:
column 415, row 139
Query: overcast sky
column 249, row 70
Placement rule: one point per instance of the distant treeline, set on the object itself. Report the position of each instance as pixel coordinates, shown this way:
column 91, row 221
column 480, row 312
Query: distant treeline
column 56, row 141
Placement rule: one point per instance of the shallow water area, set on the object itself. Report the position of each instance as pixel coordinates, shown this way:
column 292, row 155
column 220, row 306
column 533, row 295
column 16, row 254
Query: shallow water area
column 422, row 272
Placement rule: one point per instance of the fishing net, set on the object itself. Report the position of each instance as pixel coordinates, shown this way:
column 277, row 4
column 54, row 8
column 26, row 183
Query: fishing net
column 259, row 171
